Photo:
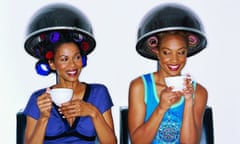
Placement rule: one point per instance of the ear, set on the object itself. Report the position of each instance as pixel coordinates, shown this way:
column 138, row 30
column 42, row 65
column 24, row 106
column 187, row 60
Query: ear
column 52, row 65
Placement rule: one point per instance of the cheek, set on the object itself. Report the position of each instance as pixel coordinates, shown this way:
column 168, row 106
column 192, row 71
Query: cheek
column 164, row 59
column 79, row 63
column 183, row 59
column 60, row 66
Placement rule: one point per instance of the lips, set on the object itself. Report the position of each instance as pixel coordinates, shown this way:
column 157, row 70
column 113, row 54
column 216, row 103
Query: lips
column 173, row 67
column 72, row 72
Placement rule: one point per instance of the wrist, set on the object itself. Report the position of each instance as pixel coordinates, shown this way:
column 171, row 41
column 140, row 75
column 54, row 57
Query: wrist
column 43, row 119
column 161, row 110
column 189, row 102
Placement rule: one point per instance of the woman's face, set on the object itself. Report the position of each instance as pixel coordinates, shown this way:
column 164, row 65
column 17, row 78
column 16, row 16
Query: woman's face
column 172, row 54
column 67, row 62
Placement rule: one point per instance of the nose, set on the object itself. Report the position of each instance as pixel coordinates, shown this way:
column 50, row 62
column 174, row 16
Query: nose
column 72, row 62
column 174, row 57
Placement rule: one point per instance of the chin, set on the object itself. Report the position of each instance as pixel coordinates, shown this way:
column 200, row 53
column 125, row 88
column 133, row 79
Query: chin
column 73, row 79
column 174, row 73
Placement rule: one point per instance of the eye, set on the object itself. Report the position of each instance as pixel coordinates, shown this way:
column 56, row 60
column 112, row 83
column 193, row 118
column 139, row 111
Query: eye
column 77, row 57
column 182, row 52
column 64, row 59
column 165, row 52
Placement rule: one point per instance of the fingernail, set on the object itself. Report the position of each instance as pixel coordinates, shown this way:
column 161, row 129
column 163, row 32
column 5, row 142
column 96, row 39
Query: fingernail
column 48, row 90
column 59, row 110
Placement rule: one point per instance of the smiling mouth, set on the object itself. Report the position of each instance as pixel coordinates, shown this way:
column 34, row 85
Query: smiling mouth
column 72, row 72
column 173, row 67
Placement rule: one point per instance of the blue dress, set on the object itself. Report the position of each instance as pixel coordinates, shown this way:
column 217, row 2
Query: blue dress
column 169, row 130
column 82, row 131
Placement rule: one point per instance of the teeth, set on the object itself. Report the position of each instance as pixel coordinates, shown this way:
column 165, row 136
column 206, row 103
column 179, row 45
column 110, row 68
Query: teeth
column 173, row 67
column 72, row 72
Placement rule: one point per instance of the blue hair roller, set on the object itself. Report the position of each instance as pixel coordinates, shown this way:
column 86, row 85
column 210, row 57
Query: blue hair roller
column 43, row 68
column 84, row 60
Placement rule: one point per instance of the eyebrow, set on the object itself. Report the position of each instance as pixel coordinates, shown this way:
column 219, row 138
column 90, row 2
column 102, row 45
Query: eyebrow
column 73, row 54
column 183, row 48
column 170, row 49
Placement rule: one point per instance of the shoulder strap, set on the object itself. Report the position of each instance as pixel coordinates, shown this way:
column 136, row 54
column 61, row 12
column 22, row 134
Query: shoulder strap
column 194, row 83
column 147, row 85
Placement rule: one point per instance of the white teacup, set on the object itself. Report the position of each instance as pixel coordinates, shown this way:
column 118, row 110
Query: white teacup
column 177, row 82
column 61, row 95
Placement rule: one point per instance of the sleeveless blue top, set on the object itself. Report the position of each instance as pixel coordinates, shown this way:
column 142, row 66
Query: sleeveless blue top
column 169, row 130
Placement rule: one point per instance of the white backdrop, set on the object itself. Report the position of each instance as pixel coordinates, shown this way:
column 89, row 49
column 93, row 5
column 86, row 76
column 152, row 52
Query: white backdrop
column 115, row 61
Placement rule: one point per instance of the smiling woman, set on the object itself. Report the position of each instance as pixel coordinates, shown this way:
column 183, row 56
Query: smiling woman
column 169, row 34
column 67, row 61
column 60, row 37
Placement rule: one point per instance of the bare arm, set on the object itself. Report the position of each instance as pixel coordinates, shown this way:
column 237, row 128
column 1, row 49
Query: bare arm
column 105, row 127
column 141, row 131
column 192, row 118
column 35, row 129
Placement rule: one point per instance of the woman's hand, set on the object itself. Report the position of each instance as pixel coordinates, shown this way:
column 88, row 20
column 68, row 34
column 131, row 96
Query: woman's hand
column 77, row 108
column 188, row 91
column 44, row 103
column 168, row 97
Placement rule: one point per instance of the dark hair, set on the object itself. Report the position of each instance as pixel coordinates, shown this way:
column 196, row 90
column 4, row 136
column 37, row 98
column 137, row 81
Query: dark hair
column 52, row 40
column 183, row 34
column 55, row 46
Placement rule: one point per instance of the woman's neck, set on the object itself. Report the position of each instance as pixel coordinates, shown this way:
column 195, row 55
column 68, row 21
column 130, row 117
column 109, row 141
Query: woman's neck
column 68, row 84
column 78, row 88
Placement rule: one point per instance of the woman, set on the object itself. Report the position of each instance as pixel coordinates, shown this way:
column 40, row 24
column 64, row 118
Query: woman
column 63, row 49
column 157, row 114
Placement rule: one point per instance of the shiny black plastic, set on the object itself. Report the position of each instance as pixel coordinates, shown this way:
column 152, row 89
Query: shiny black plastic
column 168, row 17
column 56, row 17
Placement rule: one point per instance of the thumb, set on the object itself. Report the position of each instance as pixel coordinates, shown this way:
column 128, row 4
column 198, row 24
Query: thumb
column 169, row 89
column 48, row 90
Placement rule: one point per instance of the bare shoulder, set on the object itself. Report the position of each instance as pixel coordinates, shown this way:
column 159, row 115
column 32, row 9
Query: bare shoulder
column 201, row 91
column 136, row 83
column 136, row 91
column 201, row 95
column 136, row 104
